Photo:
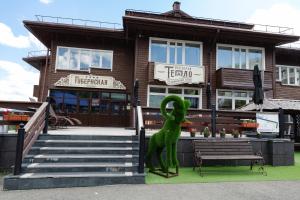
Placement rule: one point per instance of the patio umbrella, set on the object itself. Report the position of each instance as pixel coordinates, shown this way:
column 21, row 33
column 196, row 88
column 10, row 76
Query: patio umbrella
column 258, row 95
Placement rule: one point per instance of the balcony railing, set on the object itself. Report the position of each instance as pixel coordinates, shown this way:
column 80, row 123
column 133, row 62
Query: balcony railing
column 229, row 78
column 79, row 22
column 216, row 22
column 38, row 53
column 294, row 45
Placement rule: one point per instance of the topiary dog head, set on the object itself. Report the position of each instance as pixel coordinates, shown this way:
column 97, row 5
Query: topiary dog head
column 179, row 111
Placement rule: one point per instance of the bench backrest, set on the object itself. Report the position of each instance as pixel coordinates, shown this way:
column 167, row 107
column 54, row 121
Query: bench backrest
column 223, row 147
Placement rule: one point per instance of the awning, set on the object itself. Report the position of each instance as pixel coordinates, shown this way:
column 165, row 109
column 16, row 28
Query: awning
column 274, row 105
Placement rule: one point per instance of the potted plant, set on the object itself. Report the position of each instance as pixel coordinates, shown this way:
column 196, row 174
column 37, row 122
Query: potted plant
column 206, row 132
column 235, row 133
column 192, row 132
column 223, row 133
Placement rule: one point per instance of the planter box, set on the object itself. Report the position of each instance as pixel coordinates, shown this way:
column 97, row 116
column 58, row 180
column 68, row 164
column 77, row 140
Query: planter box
column 16, row 118
column 249, row 125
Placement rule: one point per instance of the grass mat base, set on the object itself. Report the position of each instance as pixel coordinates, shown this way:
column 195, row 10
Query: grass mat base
column 231, row 174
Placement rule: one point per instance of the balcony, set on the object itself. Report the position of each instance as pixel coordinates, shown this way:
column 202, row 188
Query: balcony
column 228, row 78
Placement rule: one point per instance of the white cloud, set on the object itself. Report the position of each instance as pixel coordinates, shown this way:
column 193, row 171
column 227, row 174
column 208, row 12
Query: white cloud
column 281, row 14
column 17, row 84
column 46, row 1
column 8, row 38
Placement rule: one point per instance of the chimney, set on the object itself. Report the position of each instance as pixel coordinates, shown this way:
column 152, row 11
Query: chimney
column 176, row 6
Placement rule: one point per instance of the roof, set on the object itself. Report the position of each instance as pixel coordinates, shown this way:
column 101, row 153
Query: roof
column 192, row 28
column 37, row 61
column 274, row 105
column 45, row 31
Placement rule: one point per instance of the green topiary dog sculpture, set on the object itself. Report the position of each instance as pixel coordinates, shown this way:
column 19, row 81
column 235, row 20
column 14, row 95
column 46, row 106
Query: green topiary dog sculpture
column 168, row 136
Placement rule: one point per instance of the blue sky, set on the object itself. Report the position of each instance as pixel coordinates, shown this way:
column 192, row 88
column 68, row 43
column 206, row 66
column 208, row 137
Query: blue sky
column 16, row 82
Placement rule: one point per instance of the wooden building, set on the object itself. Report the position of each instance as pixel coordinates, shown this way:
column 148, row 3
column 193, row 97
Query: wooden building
column 90, row 67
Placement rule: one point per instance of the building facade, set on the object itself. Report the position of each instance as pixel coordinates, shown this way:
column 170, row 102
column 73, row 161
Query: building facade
column 89, row 71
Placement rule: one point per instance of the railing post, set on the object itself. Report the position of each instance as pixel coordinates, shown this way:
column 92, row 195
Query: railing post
column 213, row 120
column 138, row 103
column 19, row 150
column 281, row 123
column 142, row 151
column 45, row 130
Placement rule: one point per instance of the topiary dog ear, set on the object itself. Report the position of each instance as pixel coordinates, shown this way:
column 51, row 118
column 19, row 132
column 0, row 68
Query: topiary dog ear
column 187, row 104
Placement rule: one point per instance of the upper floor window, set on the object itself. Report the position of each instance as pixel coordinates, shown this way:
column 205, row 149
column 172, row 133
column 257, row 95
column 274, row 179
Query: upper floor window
column 239, row 57
column 232, row 99
column 175, row 52
column 288, row 75
column 82, row 59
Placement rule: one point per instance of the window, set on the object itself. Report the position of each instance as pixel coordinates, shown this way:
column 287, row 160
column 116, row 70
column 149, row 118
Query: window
column 103, row 103
column 231, row 99
column 288, row 75
column 175, row 52
column 239, row 57
column 83, row 59
column 157, row 93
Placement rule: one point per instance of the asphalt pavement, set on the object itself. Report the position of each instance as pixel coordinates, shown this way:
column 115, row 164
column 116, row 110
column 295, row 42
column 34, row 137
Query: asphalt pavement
column 281, row 190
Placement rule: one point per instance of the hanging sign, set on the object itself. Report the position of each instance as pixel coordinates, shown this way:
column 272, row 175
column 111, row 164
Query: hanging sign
column 178, row 74
column 90, row 81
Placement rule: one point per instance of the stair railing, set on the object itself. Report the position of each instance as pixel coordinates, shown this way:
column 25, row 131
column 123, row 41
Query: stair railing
column 140, row 129
column 28, row 134
column 139, row 126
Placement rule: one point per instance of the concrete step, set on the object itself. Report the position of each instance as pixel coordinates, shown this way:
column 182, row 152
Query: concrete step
column 84, row 150
column 86, row 143
column 79, row 167
column 55, row 158
column 73, row 179
column 87, row 137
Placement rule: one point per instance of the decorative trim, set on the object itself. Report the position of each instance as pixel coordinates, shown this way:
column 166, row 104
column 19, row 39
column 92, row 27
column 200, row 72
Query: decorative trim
column 90, row 81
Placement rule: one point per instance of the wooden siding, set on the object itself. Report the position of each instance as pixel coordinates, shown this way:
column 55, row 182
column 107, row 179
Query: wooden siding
column 241, row 79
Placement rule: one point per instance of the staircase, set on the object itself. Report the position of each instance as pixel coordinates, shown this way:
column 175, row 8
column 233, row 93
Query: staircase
column 57, row 161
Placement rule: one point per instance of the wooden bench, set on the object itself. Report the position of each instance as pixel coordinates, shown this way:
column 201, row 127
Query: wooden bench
column 232, row 150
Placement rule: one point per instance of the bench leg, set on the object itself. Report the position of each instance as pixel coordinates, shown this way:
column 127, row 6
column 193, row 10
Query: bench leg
column 251, row 165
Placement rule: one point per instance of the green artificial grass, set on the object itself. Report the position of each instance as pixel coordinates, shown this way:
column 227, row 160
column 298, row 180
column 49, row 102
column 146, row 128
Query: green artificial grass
column 231, row 174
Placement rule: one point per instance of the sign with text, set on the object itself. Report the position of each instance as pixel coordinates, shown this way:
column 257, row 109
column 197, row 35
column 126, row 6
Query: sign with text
column 178, row 74
column 267, row 122
column 90, row 81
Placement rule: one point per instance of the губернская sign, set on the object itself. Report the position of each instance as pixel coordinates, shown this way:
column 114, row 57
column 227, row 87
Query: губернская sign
column 178, row 74
column 90, row 81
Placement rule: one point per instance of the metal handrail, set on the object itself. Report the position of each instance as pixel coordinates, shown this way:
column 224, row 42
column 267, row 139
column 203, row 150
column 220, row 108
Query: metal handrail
column 79, row 22
column 256, row 27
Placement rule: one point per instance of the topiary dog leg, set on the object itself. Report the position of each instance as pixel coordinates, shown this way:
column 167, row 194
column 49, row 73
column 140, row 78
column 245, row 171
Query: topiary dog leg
column 151, row 149
column 160, row 159
column 174, row 155
column 169, row 155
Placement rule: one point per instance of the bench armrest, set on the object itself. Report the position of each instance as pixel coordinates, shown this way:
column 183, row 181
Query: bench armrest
column 198, row 154
column 259, row 153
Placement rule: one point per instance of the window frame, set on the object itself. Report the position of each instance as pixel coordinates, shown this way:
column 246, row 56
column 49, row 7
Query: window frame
column 247, row 48
column 184, row 42
column 79, row 56
column 233, row 98
column 182, row 95
column 288, row 67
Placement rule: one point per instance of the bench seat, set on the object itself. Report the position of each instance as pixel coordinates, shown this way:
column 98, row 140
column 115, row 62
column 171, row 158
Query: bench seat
column 216, row 149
